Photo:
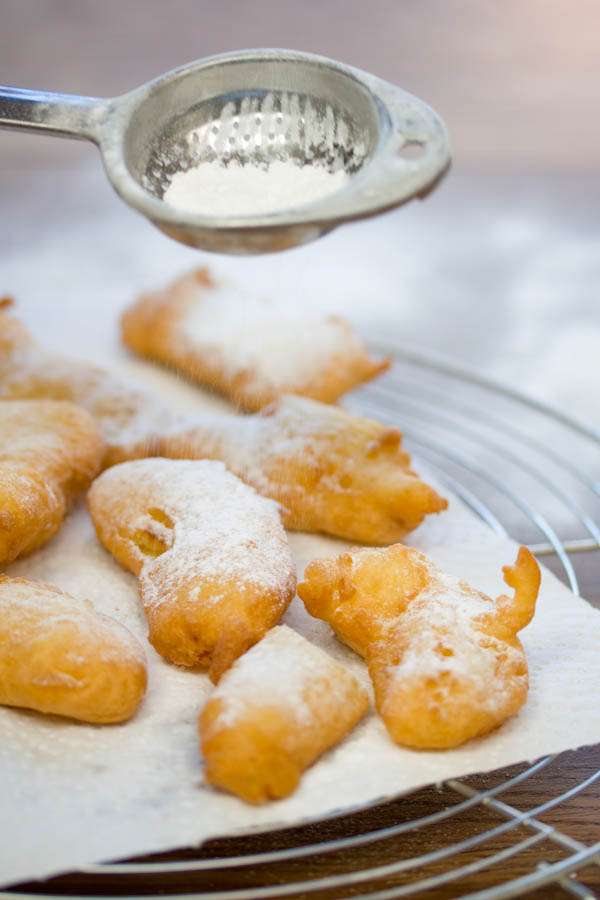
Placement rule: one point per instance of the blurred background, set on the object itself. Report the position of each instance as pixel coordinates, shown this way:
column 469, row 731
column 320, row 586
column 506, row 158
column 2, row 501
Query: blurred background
column 516, row 81
column 499, row 267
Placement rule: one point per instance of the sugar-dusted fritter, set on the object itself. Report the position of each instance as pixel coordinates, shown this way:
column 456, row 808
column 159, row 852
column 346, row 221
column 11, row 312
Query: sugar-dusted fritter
column 445, row 660
column 58, row 655
column 49, row 452
column 279, row 707
column 214, row 564
column 251, row 348
column 124, row 412
column 332, row 471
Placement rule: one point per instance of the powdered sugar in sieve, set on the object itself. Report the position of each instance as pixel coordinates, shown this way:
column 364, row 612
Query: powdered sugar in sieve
column 260, row 153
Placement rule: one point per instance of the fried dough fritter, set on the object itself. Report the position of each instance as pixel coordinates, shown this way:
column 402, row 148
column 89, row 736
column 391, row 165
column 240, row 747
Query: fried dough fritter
column 49, row 452
column 124, row 412
column 330, row 470
column 279, row 707
column 58, row 655
column 445, row 660
column 249, row 348
column 214, row 564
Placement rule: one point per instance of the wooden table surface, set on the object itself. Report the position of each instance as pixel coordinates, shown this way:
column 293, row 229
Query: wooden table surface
column 517, row 83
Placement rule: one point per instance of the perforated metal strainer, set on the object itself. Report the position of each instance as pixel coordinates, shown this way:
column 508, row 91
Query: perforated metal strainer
column 253, row 109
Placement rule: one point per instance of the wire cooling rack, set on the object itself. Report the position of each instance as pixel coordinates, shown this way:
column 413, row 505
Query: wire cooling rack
column 533, row 830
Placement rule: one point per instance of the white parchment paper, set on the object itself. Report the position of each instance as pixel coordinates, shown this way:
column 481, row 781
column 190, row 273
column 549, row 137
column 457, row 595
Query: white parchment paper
column 73, row 794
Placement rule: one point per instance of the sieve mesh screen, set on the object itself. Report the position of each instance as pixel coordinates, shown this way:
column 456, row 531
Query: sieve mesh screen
column 256, row 130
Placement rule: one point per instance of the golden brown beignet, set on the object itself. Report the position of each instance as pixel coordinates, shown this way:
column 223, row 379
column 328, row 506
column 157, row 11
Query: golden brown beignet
column 124, row 412
column 250, row 348
column 444, row 658
column 331, row 471
column 58, row 655
column 214, row 564
column 279, row 707
column 49, row 452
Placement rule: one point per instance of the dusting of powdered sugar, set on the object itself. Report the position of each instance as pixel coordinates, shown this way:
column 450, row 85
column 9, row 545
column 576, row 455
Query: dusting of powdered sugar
column 285, row 671
column 445, row 626
column 270, row 341
column 30, row 611
column 215, row 527
column 256, row 447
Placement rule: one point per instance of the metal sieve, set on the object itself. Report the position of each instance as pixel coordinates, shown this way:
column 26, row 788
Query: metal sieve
column 252, row 109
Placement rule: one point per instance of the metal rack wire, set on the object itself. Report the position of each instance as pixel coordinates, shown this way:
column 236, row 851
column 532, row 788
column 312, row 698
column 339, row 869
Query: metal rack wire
column 527, row 471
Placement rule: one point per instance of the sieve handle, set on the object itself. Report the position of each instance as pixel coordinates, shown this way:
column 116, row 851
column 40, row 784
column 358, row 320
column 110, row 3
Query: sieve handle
column 50, row 113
